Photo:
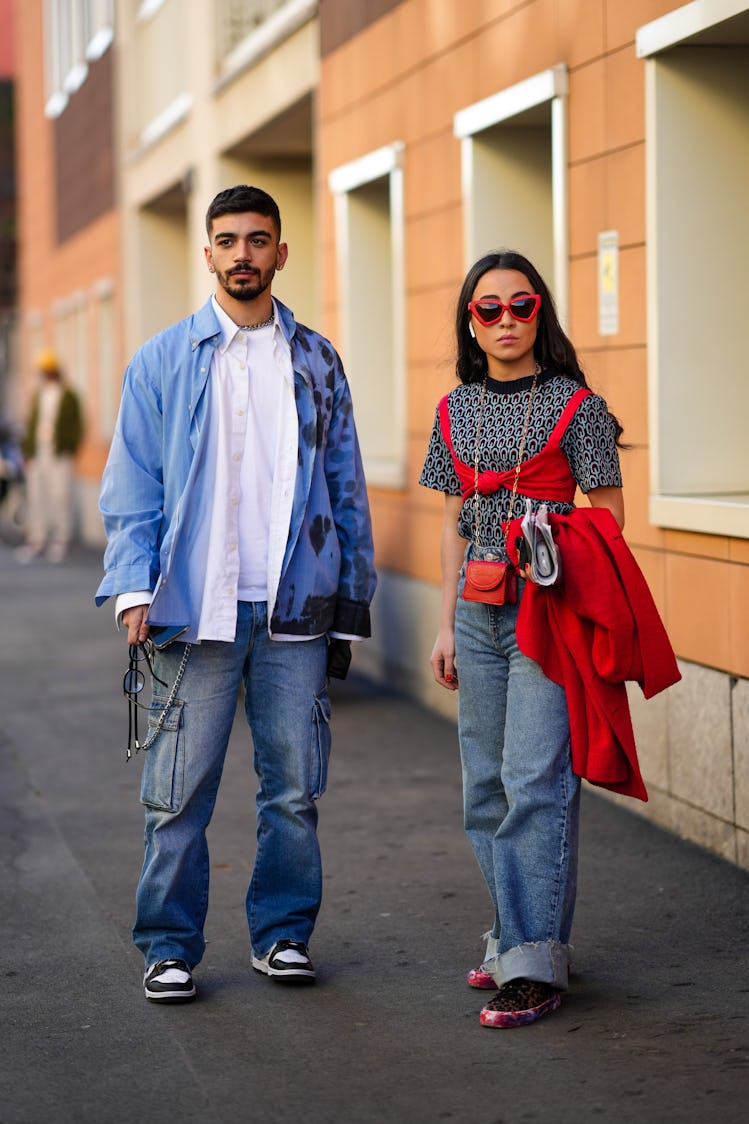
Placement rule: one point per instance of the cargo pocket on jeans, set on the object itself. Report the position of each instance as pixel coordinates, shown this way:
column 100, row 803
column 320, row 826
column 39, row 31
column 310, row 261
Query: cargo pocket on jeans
column 320, row 748
column 164, row 761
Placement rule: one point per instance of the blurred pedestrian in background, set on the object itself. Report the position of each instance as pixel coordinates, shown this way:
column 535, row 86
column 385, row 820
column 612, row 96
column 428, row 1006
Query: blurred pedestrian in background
column 11, row 481
column 53, row 436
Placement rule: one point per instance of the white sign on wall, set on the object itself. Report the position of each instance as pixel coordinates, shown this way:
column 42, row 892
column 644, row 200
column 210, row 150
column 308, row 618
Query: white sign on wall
column 608, row 283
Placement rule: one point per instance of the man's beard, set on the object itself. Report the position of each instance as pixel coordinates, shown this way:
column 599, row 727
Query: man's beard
column 248, row 290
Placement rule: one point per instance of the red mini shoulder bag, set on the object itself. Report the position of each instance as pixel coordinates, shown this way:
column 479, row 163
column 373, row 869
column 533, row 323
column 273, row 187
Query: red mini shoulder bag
column 488, row 580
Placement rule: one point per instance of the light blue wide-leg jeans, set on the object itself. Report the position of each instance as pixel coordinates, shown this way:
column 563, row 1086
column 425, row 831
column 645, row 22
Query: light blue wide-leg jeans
column 521, row 798
column 288, row 711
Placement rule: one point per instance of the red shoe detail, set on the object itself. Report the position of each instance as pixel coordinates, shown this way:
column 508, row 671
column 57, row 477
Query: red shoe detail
column 477, row 977
column 520, row 1002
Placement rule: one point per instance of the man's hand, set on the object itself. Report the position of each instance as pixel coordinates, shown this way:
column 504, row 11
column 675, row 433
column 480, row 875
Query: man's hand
column 339, row 657
column 134, row 620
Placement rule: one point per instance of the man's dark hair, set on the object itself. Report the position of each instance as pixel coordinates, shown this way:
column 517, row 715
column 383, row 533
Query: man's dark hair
column 240, row 199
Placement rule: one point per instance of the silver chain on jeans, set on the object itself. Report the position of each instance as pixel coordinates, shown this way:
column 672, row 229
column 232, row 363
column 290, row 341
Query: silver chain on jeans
column 153, row 733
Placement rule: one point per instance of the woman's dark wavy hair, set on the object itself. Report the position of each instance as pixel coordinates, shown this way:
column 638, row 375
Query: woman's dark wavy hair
column 552, row 349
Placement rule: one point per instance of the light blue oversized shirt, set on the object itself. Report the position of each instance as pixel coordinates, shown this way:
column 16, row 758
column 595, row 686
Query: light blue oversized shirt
column 156, row 486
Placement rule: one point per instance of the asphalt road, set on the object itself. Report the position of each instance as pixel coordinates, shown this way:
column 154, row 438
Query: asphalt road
column 655, row 1027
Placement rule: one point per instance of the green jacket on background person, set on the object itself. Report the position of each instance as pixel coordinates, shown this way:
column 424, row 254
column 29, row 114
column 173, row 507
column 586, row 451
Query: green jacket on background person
column 68, row 431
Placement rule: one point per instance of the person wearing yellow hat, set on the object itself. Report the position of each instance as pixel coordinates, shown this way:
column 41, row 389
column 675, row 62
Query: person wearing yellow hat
column 53, row 435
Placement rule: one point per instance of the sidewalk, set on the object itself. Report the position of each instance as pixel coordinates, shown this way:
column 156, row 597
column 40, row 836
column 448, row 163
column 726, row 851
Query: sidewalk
column 654, row 1029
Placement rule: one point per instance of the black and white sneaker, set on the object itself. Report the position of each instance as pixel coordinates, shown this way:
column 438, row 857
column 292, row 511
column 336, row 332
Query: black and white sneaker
column 169, row 981
column 287, row 962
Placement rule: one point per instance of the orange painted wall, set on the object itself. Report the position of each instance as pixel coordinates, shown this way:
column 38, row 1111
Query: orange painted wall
column 48, row 272
column 7, row 60
column 403, row 79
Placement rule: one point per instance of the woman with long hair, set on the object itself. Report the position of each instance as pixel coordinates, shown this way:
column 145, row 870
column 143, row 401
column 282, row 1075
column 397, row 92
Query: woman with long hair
column 522, row 425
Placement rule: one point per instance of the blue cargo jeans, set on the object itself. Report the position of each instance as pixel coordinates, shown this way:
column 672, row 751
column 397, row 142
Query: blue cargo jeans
column 288, row 712
column 521, row 798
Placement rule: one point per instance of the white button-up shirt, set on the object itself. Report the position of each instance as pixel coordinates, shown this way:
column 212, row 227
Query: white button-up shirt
column 253, row 453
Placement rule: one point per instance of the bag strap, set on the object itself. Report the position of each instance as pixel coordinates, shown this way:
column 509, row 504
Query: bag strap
column 521, row 450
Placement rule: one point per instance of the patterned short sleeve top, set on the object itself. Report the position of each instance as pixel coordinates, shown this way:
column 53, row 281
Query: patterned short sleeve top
column 588, row 444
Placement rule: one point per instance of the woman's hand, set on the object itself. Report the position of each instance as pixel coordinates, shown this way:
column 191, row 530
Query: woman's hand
column 452, row 550
column 443, row 660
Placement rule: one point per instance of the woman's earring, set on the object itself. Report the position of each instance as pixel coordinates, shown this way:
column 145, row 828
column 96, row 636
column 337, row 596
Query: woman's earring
column 470, row 329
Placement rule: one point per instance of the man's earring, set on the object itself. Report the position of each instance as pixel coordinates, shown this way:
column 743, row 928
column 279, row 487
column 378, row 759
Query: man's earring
column 470, row 329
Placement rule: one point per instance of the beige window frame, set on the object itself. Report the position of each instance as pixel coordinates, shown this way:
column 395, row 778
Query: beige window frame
column 76, row 32
column 163, row 102
column 248, row 30
column 697, row 168
column 514, row 157
column 103, row 308
column 369, row 223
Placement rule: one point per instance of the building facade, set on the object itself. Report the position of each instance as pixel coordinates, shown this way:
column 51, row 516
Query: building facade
column 610, row 143
column 403, row 139
column 69, row 287
column 231, row 101
column 8, row 296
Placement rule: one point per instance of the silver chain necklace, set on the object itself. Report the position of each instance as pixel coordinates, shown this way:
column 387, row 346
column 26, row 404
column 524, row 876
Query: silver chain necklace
column 255, row 327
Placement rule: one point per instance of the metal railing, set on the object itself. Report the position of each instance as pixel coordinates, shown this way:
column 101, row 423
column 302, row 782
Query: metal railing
column 236, row 19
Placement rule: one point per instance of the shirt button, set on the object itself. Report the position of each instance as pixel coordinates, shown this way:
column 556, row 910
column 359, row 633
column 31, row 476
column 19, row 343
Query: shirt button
column 236, row 457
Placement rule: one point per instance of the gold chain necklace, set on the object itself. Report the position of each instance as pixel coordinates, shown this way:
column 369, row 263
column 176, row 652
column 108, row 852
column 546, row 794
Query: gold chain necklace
column 521, row 450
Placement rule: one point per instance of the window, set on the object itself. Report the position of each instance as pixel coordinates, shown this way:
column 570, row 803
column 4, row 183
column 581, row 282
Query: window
column 514, row 162
column 102, row 296
column 160, row 232
column 76, row 32
column 369, row 237
column 81, row 374
column 100, row 29
column 698, row 154
column 161, row 101
column 236, row 19
column 70, row 316
column 246, row 30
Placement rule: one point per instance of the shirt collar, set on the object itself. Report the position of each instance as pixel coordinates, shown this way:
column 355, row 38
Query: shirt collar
column 229, row 329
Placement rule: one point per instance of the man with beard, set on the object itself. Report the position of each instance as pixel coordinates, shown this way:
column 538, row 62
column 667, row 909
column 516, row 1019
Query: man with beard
column 240, row 553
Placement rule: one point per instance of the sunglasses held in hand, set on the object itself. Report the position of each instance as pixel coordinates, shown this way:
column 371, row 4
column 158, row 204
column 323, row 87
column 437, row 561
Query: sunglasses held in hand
column 132, row 685
column 134, row 682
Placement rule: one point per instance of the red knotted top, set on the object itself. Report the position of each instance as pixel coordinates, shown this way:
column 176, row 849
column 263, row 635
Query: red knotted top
column 544, row 476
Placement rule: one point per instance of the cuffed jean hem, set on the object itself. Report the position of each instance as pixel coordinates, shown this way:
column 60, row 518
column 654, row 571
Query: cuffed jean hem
column 546, row 961
column 492, row 948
